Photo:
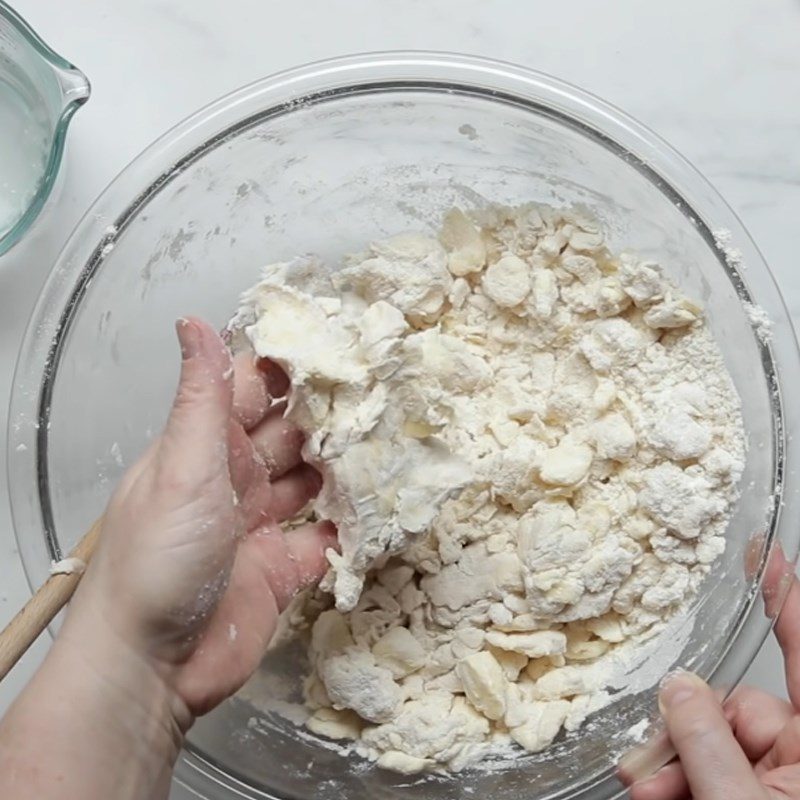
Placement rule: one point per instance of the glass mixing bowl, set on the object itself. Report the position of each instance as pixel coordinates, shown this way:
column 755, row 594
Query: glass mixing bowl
column 323, row 159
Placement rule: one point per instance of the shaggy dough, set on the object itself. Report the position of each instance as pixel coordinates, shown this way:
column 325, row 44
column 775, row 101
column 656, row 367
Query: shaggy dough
column 531, row 449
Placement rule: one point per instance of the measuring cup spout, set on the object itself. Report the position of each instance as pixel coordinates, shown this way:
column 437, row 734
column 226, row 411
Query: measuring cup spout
column 75, row 86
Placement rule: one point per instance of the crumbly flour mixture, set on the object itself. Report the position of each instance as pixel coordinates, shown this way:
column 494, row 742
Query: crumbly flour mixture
column 531, row 449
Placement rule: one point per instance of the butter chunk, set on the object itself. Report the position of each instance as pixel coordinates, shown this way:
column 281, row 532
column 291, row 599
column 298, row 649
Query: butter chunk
column 335, row 724
column 678, row 436
column 566, row 464
column 545, row 293
column 614, row 437
column 330, row 633
column 543, row 723
column 566, row 682
column 466, row 251
column 608, row 628
column 399, row 652
column 672, row 313
column 353, row 680
column 512, row 663
column 533, row 645
column 507, row 281
column 642, row 281
column 405, row 764
column 484, row 683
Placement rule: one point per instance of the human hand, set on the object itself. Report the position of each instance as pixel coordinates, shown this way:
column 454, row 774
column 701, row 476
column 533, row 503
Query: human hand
column 747, row 748
column 183, row 594
column 192, row 568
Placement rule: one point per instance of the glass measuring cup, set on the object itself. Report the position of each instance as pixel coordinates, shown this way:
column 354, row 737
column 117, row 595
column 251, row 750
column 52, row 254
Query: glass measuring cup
column 39, row 93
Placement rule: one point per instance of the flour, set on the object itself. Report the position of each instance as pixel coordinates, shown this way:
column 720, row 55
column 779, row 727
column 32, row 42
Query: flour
column 723, row 238
column 760, row 320
column 638, row 731
column 368, row 389
column 531, row 449
column 68, row 566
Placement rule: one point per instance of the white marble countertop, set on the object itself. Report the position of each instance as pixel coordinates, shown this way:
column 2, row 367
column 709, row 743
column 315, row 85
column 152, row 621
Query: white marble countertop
column 719, row 80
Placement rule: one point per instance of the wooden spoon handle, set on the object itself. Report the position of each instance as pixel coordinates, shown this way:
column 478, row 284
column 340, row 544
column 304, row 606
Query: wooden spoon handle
column 42, row 608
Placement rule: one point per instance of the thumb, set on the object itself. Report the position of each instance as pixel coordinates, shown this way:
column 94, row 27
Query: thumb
column 195, row 439
column 715, row 765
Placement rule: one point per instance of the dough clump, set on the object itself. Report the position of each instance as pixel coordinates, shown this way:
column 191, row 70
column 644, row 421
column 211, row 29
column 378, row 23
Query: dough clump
column 531, row 448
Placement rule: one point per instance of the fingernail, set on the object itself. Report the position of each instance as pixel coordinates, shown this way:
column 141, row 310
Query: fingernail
column 677, row 688
column 189, row 337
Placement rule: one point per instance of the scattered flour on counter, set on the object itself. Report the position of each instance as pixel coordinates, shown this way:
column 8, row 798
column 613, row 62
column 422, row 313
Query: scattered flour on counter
column 531, row 449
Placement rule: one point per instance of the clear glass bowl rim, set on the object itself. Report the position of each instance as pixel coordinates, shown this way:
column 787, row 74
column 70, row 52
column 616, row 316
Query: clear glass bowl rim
column 84, row 253
column 76, row 89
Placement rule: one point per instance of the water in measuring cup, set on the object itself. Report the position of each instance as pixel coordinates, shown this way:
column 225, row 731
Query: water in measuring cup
column 24, row 146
